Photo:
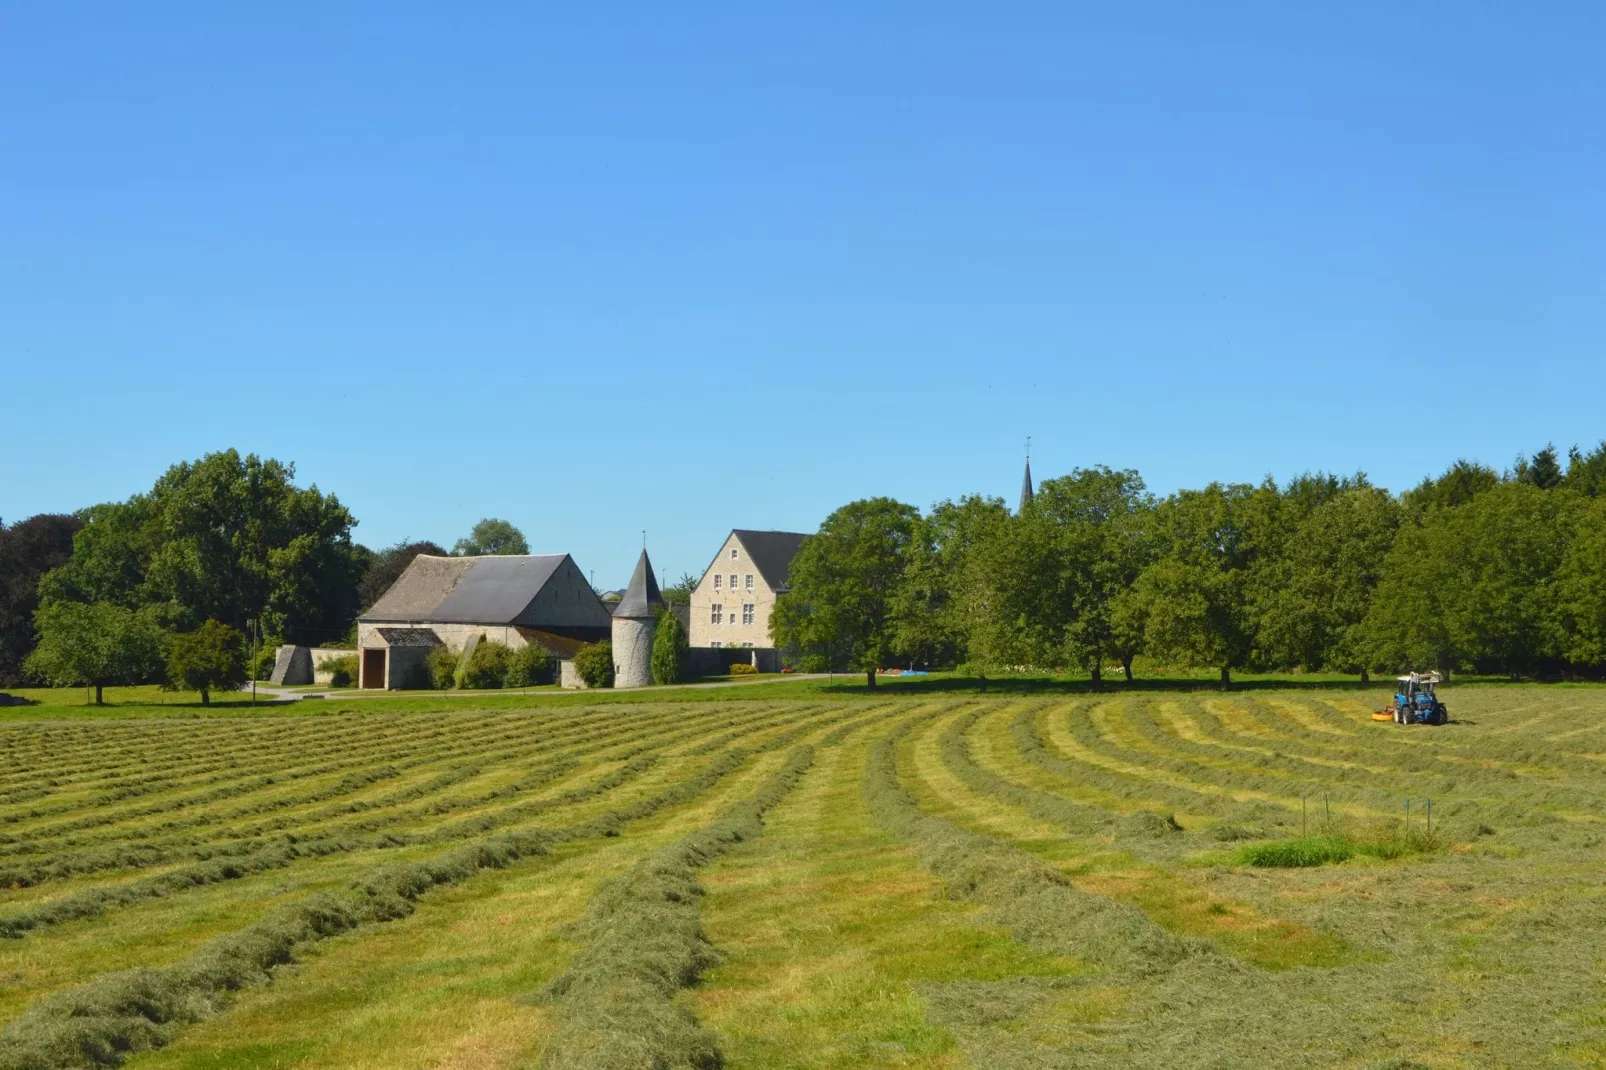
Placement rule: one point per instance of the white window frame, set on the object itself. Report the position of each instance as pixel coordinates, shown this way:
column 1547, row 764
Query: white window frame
column 714, row 643
column 733, row 581
column 716, row 613
column 747, row 582
column 747, row 612
column 719, row 578
column 733, row 553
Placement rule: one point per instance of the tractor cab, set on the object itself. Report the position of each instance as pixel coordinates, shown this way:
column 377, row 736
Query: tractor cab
column 1417, row 700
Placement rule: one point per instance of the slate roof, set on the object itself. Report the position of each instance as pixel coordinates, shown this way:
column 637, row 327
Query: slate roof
column 771, row 552
column 642, row 599
column 1025, row 489
column 408, row 637
column 562, row 647
column 468, row 590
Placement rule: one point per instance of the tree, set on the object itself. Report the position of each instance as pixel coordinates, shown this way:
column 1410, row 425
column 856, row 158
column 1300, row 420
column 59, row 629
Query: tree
column 28, row 549
column 940, row 590
column 1101, row 544
column 1461, row 482
column 224, row 538
column 1477, row 585
column 210, row 658
column 491, row 536
column 1581, row 591
column 669, row 647
column 679, row 592
column 96, row 645
column 386, row 567
column 1194, row 596
column 845, row 582
column 1586, row 472
column 1313, row 596
column 1543, row 471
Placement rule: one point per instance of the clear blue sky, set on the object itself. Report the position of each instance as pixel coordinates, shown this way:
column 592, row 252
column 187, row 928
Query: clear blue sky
column 603, row 267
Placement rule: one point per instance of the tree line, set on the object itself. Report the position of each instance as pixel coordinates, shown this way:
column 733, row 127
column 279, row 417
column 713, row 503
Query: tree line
column 1494, row 572
column 228, row 543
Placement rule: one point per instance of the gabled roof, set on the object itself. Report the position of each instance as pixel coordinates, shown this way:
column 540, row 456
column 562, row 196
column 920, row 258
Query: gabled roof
column 771, row 552
column 642, row 599
column 467, row 590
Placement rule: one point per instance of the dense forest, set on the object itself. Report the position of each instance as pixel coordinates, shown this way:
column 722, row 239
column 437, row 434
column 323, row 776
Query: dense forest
column 1473, row 570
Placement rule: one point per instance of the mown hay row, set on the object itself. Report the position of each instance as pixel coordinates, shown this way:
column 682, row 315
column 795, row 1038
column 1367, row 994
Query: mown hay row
column 115, row 1015
column 1037, row 903
column 126, row 855
column 644, row 942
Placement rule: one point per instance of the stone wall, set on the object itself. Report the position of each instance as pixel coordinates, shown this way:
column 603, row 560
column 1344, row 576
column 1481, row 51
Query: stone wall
column 731, row 631
column 632, row 651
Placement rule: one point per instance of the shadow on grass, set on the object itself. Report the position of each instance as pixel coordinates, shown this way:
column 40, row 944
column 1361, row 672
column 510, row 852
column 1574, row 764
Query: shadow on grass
column 1047, row 686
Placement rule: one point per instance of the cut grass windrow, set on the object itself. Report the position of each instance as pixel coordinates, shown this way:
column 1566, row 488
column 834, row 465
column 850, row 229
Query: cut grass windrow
column 115, row 1015
column 1036, row 902
column 644, row 942
column 139, row 855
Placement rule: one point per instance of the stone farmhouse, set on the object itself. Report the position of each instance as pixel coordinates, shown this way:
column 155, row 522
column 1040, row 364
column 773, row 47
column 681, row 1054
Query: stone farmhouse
column 732, row 603
column 453, row 601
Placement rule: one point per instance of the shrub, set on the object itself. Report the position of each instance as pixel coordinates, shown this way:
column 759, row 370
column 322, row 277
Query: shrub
column 743, row 668
column 594, row 663
column 442, row 664
column 669, row 650
column 528, row 666
column 262, row 664
column 211, row 658
column 342, row 670
column 487, row 666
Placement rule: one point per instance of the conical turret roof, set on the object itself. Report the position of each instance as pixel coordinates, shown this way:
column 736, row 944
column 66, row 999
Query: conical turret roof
column 1026, row 489
column 642, row 599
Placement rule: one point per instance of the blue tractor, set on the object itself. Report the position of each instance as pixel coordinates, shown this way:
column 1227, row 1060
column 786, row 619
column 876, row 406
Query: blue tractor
column 1417, row 700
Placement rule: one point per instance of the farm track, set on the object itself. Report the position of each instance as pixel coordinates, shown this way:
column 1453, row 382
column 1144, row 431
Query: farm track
column 1073, row 838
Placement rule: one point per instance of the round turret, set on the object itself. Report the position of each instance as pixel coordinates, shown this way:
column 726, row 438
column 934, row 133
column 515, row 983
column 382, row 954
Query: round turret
column 635, row 624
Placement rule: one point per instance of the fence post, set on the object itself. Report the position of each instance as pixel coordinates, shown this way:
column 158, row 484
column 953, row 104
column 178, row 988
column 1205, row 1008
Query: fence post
column 1327, row 811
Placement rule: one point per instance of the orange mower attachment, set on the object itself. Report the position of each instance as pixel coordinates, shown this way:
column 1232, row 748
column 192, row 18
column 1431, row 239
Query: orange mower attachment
column 1383, row 715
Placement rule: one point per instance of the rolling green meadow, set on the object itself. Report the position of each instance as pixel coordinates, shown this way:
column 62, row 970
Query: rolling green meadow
column 806, row 875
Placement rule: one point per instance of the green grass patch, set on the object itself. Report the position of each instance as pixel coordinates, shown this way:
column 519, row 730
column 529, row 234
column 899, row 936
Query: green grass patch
column 1330, row 848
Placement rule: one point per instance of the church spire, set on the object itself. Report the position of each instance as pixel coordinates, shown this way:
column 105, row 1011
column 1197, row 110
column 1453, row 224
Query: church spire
column 1026, row 480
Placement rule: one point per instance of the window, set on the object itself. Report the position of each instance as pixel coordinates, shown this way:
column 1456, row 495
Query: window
column 718, row 579
column 747, row 612
column 747, row 581
column 716, row 614
column 733, row 581
column 715, row 644
column 747, row 646
column 733, row 553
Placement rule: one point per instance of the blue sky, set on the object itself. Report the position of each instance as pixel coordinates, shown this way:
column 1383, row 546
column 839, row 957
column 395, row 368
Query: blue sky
column 604, row 268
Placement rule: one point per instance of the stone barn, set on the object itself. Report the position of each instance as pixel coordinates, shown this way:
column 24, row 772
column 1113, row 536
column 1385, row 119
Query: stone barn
column 452, row 601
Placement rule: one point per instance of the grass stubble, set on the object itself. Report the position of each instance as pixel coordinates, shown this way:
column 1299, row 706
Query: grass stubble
column 1009, row 882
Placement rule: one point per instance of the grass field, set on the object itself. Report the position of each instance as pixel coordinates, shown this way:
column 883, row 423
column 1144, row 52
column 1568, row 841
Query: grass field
column 795, row 875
